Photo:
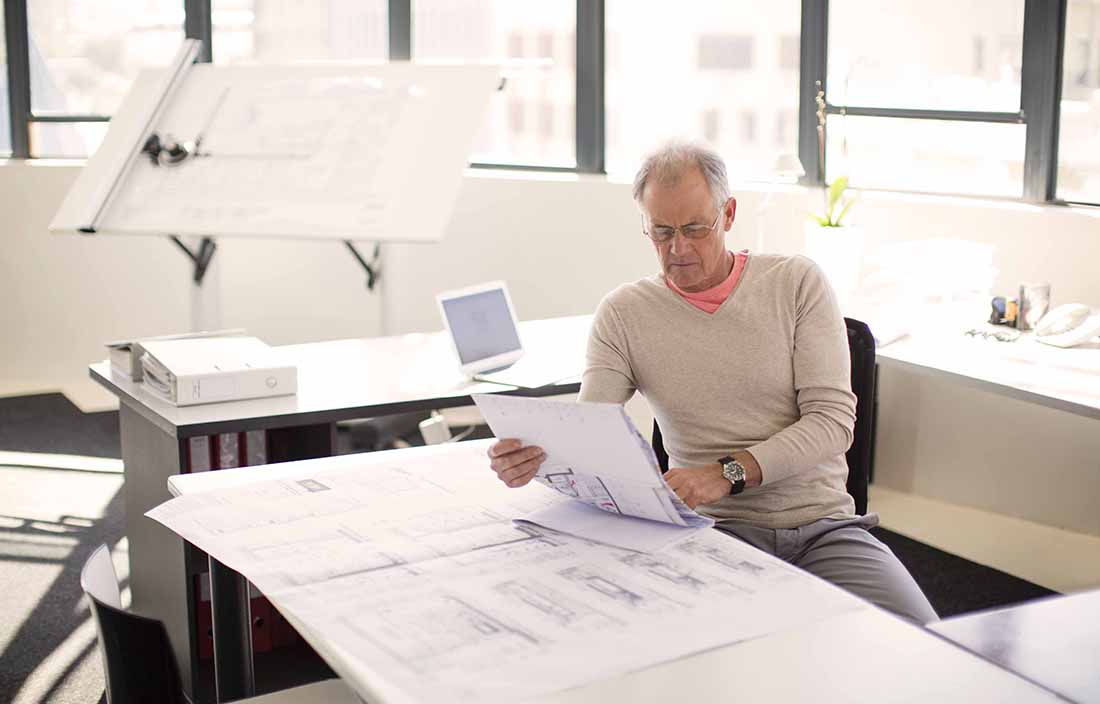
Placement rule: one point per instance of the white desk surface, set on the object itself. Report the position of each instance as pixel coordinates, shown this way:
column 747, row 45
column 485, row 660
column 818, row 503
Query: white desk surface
column 344, row 379
column 1064, row 379
column 864, row 656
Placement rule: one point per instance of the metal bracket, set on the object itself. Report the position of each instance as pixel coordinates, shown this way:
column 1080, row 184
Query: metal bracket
column 373, row 267
column 201, row 258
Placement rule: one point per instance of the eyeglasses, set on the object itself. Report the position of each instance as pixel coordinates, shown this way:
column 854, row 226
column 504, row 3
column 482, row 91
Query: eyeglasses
column 664, row 233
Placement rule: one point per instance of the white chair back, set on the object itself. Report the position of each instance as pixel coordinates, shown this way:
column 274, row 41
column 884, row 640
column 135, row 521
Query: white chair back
column 98, row 578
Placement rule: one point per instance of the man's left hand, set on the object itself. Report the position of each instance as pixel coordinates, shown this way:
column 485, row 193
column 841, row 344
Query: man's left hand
column 705, row 485
column 698, row 485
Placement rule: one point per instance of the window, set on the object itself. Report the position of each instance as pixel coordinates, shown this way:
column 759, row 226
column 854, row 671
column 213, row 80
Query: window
column 521, row 35
column 922, row 54
column 936, row 156
column 712, row 129
column 669, row 65
column 789, row 52
column 254, row 30
column 728, row 52
column 888, row 61
column 1079, row 128
column 747, row 127
column 83, row 55
column 5, row 112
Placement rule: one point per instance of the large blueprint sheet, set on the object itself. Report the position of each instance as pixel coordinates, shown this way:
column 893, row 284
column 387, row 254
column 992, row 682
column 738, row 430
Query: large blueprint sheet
column 413, row 571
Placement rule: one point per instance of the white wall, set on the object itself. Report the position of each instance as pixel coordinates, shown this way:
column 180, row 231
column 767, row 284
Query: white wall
column 561, row 242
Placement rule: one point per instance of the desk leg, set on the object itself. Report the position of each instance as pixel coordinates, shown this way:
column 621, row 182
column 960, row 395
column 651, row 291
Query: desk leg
column 234, row 677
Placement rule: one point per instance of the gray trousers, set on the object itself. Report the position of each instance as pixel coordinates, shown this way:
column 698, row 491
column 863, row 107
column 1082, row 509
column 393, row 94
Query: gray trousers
column 841, row 551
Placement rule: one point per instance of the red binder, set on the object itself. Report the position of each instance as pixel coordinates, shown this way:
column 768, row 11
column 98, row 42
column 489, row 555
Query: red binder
column 228, row 451
column 255, row 448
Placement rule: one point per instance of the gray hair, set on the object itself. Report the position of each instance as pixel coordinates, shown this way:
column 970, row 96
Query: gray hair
column 671, row 160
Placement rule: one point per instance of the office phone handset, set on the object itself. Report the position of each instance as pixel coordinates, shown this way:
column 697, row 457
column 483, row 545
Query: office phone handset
column 1068, row 325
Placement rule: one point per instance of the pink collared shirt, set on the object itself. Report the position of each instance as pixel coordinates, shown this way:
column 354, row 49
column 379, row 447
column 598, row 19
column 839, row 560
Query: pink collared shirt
column 712, row 299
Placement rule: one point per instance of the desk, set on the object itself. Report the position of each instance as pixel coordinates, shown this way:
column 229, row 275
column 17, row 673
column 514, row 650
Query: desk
column 1063, row 379
column 1005, row 427
column 1054, row 642
column 858, row 655
column 337, row 380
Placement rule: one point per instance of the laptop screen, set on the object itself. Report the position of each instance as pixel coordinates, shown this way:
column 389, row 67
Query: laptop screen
column 481, row 324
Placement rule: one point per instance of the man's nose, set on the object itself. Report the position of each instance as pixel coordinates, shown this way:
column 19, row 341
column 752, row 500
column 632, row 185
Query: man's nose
column 678, row 243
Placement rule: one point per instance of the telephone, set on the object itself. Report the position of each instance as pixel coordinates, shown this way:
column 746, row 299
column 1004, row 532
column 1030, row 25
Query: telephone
column 1068, row 325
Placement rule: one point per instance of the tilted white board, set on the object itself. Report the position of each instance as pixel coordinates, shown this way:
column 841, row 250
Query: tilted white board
column 326, row 151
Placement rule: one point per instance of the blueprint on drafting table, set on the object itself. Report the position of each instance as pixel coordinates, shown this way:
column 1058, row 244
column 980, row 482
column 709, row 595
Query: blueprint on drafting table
column 412, row 568
column 595, row 455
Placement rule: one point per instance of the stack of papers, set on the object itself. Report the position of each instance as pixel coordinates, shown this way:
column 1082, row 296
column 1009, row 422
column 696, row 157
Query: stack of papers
column 208, row 370
column 596, row 456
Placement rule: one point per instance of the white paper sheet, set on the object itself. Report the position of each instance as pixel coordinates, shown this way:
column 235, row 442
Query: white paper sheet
column 413, row 571
column 594, row 455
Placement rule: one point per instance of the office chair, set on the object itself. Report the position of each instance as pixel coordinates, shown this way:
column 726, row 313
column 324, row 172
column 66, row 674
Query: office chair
column 137, row 658
column 861, row 348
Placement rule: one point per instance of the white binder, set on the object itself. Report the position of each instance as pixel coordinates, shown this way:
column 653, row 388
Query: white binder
column 209, row 370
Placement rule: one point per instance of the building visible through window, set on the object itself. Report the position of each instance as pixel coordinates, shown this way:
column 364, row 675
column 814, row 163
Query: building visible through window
column 725, row 51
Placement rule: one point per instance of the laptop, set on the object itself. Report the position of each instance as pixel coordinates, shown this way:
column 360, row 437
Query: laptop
column 482, row 326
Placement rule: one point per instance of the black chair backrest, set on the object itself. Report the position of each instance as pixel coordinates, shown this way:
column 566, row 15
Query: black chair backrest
column 137, row 657
column 861, row 348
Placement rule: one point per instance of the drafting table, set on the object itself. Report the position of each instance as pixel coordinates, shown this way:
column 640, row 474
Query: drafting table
column 337, row 380
column 857, row 656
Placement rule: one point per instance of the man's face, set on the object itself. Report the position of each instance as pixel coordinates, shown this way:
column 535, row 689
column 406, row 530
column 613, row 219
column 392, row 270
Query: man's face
column 692, row 264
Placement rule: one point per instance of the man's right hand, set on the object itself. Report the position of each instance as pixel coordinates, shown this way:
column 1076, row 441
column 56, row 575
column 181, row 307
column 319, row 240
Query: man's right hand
column 515, row 464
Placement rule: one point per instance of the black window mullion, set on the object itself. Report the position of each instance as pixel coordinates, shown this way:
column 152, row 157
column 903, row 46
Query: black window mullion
column 811, row 79
column 19, row 76
column 590, row 87
column 400, row 30
column 1041, row 93
column 197, row 24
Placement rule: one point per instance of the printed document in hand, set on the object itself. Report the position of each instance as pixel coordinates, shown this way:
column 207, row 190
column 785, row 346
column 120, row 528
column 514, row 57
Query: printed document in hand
column 405, row 571
column 595, row 455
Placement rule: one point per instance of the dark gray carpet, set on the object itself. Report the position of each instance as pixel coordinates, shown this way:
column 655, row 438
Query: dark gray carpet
column 955, row 585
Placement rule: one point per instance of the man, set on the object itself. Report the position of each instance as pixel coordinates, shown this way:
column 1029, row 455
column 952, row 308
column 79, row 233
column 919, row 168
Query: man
column 744, row 361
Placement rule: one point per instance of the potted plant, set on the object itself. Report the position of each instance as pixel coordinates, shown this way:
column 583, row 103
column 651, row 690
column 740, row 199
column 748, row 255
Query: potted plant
column 833, row 243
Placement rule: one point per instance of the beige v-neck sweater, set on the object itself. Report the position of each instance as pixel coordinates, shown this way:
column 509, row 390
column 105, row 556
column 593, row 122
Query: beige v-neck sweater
column 767, row 372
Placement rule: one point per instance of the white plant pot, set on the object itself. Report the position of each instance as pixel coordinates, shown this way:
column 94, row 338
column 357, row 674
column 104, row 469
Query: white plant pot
column 839, row 253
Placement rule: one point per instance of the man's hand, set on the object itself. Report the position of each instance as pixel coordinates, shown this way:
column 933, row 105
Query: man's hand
column 515, row 464
column 705, row 485
column 698, row 485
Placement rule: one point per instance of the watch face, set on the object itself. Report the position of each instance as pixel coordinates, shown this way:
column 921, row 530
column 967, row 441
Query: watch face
column 733, row 470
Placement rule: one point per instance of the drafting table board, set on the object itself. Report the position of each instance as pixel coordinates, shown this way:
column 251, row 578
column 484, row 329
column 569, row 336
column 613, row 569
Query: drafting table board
column 326, row 151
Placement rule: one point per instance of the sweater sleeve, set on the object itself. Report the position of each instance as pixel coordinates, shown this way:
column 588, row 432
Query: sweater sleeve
column 822, row 381
column 608, row 376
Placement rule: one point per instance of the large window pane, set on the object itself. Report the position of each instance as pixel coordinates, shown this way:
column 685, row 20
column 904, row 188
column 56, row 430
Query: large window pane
column 1079, row 132
column 66, row 140
column 722, row 72
column 84, row 53
column 5, row 116
column 274, row 31
column 935, row 156
column 531, row 121
column 933, row 54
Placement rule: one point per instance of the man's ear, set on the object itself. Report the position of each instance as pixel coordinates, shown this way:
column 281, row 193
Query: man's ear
column 731, row 212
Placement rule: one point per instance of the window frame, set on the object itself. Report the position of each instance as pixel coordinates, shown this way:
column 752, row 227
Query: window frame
column 1040, row 89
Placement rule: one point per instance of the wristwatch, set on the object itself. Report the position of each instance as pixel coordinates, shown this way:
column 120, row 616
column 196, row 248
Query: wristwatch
column 733, row 471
